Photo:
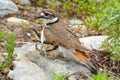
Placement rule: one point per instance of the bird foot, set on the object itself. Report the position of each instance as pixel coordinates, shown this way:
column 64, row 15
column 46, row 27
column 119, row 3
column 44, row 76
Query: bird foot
column 42, row 52
column 45, row 50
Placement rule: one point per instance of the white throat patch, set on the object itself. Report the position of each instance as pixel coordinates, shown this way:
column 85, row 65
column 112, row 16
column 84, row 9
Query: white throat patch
column 47, row 21
column 42, row 14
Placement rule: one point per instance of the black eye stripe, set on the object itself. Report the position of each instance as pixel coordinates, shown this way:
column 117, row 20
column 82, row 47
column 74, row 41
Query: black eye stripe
column 47, row 13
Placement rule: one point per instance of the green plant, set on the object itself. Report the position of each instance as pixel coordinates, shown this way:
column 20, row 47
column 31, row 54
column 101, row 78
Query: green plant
column 79, row 8
column 2, row 34
column 40, row 2
column 60, row 76
column 53, row 1
column 26, row 24
column 17, row 1
column 38, row 21
column 112, row 28
column 101, row 76
column 10, row 44
column 26, row 7
column 107, row 21
column 2, row 65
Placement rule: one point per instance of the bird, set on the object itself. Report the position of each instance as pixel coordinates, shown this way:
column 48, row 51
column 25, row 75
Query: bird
column 56, row 31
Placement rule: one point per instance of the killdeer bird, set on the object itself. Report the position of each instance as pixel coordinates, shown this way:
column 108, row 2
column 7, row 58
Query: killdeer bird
column 57, row 33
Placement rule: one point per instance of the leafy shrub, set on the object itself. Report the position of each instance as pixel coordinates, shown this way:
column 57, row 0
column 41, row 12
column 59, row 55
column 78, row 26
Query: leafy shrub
column 79, row 8
column 40, row 2
column 112, row 28
column 10, row 44
column 101, row 76
column 107, row 20
column 60, row 76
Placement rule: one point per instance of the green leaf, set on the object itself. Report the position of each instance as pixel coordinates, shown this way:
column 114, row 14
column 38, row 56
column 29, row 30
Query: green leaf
column 59, row 76
column 2, row 34
column 101, row 76
column 10, row 44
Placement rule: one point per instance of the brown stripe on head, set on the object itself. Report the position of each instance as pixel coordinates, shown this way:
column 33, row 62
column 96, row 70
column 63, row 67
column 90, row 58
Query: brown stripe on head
column 52, row 12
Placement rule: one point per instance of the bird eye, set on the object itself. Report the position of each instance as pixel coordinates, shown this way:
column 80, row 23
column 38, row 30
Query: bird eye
column 46, row 14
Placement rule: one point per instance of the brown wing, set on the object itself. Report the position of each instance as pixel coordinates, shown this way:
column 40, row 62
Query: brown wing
column 60, row 35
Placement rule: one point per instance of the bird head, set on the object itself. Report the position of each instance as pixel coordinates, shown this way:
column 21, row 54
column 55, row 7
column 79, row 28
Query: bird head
column 48, row 16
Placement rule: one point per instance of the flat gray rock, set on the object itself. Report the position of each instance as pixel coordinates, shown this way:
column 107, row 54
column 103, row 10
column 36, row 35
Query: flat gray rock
column 25, row 2
column 75, row 22
column 78, row 25
column 93, row 42
column 56, row 2
column 2, row 59
column 7, row 7
column 58, row 66
column 24, row 69
column 30, row 65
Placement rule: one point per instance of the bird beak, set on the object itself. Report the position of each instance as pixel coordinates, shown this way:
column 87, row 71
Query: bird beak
column 38, row 17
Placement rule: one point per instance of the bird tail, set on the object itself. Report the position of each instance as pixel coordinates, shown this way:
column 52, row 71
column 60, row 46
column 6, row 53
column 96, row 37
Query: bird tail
column 83, row 59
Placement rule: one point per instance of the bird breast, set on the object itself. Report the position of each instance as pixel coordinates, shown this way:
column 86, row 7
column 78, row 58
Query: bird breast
column 43, row 39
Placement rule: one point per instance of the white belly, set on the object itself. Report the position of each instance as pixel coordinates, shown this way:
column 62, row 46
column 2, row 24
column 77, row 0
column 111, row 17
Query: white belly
column 43, row 39
column 67, row 53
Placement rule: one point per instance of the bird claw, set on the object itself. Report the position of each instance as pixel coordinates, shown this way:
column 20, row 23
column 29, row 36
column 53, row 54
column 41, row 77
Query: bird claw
column 43, row 52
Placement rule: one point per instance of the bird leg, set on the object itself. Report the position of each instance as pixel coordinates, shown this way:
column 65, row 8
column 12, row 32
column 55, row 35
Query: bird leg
column 45, row 48
column 54, row 48
column 40, row 50
column 49, row 43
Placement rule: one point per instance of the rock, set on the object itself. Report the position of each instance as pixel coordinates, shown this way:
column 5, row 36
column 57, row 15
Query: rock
column 84, row 29
column 78, row 25
column 7, row 7
column 58, row 66
column 24, row 69
column 93, row 42
column 25, row 2
column 71, row 78
column 18, row 30
column 1, row 59
column 29, row 62
column 49, row 2
column 28, row 34
column 17, row 20
column 75, row 22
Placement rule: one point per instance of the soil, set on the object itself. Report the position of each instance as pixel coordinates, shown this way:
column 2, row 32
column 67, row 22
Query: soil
column 27, row 34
